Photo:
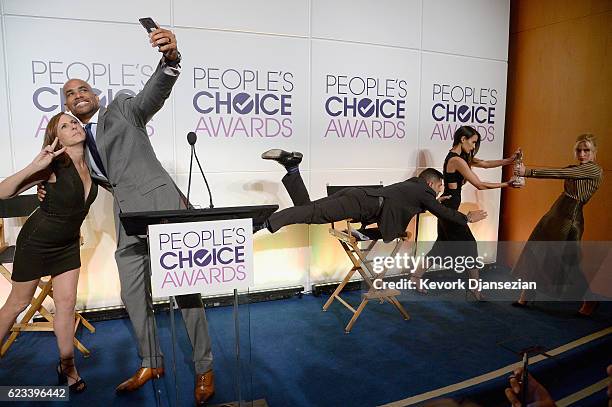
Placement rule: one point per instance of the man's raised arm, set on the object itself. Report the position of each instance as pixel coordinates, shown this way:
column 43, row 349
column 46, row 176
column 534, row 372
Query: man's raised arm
column 142, row 107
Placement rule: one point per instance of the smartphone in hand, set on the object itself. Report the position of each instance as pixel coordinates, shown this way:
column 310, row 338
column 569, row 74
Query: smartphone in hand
column 525, row 380
column 148, row 24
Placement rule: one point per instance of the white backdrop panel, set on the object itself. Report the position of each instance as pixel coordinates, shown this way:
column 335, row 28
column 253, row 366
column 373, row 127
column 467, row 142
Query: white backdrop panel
column 386, row 22
column 109, row 10
column 453, row 90
column 6, row 156
column 239, row 188
column 279, row 85
column 321, row 178
column 487, row 200
column 99, row 280
column 270, row 16
column 38, row 71
column 476, row 28
column 349, row 83
column 265, row 80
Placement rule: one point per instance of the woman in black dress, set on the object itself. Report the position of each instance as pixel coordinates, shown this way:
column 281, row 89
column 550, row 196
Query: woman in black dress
column 48, row 244
column 457, row 170
column 556, row 270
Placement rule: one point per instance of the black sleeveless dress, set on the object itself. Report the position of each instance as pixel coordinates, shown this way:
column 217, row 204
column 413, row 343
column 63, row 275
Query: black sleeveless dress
column 48, row 243
column 450, row 231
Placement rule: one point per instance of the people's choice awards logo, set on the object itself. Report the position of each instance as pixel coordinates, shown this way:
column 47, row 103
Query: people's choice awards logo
column 200, row 256
column 243, row 103
column 364, row 107
column 459, row 105
column 106, row 79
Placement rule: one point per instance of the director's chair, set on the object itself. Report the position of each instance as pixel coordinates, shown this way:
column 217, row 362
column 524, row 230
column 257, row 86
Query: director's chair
column 17, row 207
column 352, row 240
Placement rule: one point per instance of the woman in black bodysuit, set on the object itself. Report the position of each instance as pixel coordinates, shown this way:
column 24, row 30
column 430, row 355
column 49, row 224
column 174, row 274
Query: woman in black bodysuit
column 457, row 170
column 48, row 243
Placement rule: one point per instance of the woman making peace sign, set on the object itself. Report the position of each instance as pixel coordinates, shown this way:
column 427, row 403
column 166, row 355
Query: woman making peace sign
column 48, row 243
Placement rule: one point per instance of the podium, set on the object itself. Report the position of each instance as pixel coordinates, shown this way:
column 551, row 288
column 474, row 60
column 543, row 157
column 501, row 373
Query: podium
column 138, row 223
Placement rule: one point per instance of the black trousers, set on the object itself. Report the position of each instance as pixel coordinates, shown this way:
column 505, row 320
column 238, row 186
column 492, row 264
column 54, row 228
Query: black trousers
column 348, row 203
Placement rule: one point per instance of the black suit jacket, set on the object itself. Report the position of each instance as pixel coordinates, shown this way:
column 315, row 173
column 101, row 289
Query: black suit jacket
column 406, row 199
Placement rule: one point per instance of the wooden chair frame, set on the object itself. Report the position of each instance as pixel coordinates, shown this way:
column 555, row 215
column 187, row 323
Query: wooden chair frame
column 350, row 241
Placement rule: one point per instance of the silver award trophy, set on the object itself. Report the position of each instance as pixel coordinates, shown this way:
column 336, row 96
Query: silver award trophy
column 520, row 181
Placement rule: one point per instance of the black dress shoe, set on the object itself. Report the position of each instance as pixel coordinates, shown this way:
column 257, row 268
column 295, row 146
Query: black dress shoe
column 261, row 226
column 284, row 158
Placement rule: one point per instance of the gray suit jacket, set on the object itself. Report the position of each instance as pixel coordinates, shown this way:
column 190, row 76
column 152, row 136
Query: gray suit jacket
column 135, row 176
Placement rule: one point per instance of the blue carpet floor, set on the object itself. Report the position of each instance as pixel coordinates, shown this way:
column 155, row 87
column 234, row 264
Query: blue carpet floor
column 293, row 354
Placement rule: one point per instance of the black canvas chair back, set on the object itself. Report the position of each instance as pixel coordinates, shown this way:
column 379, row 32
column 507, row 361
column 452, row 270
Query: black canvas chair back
column 332, row 189
column 361, row 234
column 19, row 206
column 22, row 205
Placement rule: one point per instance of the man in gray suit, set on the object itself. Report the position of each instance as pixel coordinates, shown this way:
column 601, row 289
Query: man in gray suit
column 121, row 158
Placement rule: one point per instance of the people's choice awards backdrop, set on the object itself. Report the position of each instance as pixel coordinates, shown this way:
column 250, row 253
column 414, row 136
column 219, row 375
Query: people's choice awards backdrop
column 369, row 91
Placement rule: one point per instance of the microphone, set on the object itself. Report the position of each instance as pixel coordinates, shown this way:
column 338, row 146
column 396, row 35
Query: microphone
column 191, row 139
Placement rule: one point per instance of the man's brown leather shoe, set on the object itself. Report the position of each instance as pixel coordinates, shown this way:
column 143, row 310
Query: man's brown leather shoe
column 142, row 375
column 204, row 387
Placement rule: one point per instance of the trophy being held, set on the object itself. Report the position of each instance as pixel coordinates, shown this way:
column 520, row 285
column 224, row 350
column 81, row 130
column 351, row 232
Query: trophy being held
column 519, row 181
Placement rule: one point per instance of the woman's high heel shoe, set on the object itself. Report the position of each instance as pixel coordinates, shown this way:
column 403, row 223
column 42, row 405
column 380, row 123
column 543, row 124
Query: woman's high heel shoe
column 79, row 385
column 519, row 304
column 587, row 309
column 526, row 300
column 478, row 296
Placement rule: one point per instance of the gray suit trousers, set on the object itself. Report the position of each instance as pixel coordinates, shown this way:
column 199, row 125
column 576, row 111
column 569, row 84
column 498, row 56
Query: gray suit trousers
column 132, row 258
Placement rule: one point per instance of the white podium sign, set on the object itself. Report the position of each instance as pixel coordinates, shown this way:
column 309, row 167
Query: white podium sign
column 213, row 257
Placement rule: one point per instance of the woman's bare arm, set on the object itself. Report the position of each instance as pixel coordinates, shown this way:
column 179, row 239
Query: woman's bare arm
column 471, row 177
column 35, row 172
column 477, row 162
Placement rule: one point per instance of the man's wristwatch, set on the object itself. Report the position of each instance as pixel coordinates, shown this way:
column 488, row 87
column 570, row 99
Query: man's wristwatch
column 176, row 62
